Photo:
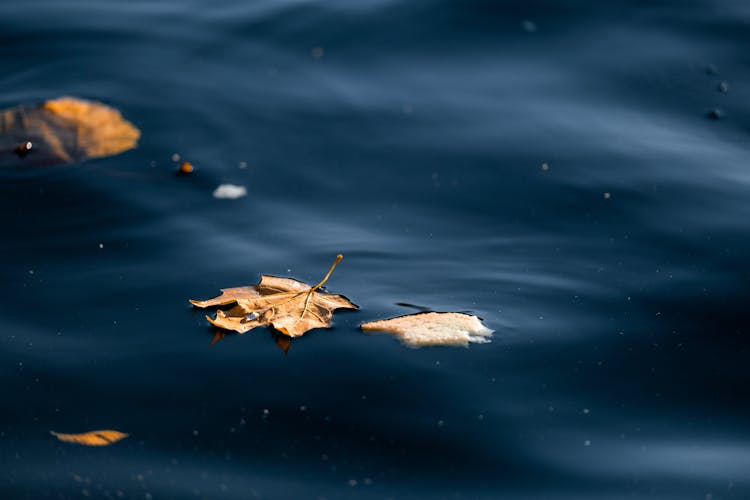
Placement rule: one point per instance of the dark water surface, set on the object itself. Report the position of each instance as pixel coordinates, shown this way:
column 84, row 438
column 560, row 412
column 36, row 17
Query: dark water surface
column 410, row 136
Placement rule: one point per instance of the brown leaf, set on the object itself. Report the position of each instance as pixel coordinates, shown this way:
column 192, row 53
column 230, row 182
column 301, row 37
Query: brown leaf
column 93, row 438
column 433, row 328
column 290, row 306
column 64, row 130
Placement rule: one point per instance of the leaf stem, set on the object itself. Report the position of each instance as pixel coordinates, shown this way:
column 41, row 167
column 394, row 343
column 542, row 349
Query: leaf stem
column 325, row 278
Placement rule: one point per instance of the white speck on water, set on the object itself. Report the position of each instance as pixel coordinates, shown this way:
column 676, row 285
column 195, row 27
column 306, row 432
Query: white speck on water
column 529, row 26
column 352, row 482
column 440, row 423
column 101, row 245
column 303, row 408
column 230, row 192
column 587, row 442
column 31, row 271
column 176, row 157
column 545, row 167
column 243, row 164
column 586, row 411
column 607, row 196
column 195, row 432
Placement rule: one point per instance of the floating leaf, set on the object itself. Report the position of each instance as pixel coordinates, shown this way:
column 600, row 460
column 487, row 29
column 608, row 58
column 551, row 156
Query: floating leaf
column 64, row 130
column 290, row 306
column 433, row 328
column 93, row 438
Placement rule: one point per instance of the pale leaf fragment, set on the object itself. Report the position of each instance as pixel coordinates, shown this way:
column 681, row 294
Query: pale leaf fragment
column 433, row 329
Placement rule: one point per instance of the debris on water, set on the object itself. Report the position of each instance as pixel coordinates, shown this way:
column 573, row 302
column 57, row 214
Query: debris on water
column 176, row 157
column 433, row 329
column 63, row 130
column 185, row 168
column 723, row 87
column 23, row 149
column 243, row 165
column 230, row 192
column 545, row 167
column 607, row 195
column 317, row 52
column 529, row 26
column 715, row 114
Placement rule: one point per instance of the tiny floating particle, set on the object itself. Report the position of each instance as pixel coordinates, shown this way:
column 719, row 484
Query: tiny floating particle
column 545, row 167
column 185, row 168
column 175, row 157
column 229, row 192
column 529, row 26
column 723, row 87
column 607, row 196
column 23, row 149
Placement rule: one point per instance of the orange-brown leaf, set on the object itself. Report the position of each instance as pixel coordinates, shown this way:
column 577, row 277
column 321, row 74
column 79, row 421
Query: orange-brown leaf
column 93, row 438
column 64, row 130
column 290, row 306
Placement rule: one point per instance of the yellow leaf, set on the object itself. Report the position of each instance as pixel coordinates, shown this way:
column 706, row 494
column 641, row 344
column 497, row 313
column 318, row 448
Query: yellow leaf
column 290, row 306
column 93, row 438
column 433, row 328
column 64, row 130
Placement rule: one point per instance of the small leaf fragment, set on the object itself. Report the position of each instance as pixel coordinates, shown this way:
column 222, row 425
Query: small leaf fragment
column 92, row 438
column 288, row 305
column 433, row 329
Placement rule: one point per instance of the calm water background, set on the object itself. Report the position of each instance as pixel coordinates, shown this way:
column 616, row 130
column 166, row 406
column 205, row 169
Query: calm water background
column 410, row 136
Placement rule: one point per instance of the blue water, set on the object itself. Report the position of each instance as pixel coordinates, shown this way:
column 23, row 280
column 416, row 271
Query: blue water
column 409, row 136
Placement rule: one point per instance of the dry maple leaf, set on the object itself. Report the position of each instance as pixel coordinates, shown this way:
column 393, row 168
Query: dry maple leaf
column 93, row 438
column 433, row 328
column 63, row 130
column 290, row 306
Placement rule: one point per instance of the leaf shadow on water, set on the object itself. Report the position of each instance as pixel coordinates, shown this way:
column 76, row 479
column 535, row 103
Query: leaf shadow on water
column 283, row 342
